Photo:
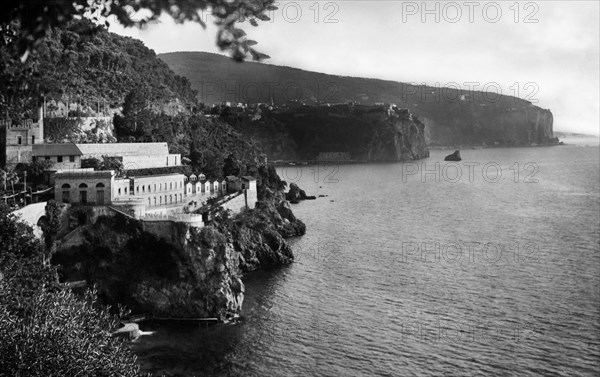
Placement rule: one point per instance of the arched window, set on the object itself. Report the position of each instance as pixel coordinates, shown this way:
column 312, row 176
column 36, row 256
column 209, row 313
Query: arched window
column 66, row 193
column 119, row 191
column 19, row 140
column 83, row 197
column 143, row 188
column 100, row 193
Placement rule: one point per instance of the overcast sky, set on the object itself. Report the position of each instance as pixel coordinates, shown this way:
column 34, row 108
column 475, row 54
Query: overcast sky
column 552, row 45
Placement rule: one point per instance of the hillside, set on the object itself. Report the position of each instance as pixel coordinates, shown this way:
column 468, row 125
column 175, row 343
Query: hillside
column 93, row 70
column 452, row 117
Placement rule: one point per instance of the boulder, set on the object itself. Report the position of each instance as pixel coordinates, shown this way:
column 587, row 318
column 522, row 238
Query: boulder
column 453, row 157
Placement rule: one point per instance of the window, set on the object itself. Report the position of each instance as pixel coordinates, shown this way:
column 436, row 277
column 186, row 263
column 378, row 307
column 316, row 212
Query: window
column 71, row 158
column 100, row 193
column 149, row 188
column 137, row 189
column 155, row 187
column 47, row 158
column 167, row 158
column 59, row 158
column 83, row 193
column 32, row 139
column 171, row 186
column 66, row 193
column 19, row 140
column 143, row 188
column 119, row 191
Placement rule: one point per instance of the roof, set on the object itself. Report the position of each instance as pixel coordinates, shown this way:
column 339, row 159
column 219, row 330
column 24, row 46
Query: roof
column 68, row 149
column 232, row 178
column 102, row 149
column 249, row 178
column 125, row 149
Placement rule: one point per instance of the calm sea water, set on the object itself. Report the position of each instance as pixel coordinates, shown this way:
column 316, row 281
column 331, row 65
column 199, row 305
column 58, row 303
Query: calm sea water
column 493, row 272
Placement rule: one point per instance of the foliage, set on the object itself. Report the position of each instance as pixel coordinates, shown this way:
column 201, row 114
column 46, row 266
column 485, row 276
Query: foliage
column 45, row 329
column 51, row 223
column 35, row 18
column 91, row 162
column 35, row 169
column 86, row 68
column 62, row 335
column 112, row 163
column 107, row 163
column 231, row 166
column 57, row 130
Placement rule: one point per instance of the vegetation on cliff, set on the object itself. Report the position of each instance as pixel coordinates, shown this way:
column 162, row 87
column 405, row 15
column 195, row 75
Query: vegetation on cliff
column 366, row 133
column 190, row 273
column 85, row 64
column 452, row 116
column 45, row 329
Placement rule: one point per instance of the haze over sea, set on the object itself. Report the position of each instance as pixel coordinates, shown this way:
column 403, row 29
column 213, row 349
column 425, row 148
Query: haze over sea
column 401, row 274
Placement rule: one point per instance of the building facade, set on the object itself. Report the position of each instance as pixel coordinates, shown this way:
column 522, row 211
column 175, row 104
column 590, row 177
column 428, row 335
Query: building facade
column 17, row 138
column 133, row 155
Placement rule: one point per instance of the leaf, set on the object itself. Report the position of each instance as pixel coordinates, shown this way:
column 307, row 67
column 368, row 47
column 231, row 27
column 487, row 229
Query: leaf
column 238, row 33
column 253, row 22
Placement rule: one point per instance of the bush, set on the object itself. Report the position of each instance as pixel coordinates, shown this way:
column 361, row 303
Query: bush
column 45, row 330
column 62, row 335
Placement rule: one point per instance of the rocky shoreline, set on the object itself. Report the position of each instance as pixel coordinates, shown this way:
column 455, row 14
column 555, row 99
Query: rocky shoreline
column 197, row 273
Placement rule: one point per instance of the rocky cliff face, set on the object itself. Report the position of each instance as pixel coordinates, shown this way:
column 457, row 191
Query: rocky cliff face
column 364, row 133
column 196, row 273
column 488, row 124
column 397, row 137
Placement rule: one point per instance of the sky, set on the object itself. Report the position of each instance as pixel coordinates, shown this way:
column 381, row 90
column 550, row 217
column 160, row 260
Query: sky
column 544, row 51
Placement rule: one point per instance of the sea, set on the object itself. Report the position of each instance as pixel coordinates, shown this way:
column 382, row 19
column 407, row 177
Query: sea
column 487, row 266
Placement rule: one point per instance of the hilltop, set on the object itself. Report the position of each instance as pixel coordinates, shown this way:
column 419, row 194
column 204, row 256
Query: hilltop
column 93, row 71
column 452, row 117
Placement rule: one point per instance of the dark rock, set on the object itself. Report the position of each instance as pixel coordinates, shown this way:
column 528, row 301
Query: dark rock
column 453, row 157
column 296, row 194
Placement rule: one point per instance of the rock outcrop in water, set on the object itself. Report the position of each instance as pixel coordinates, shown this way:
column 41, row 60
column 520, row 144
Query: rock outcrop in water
column 453, row 157
column 296, row 194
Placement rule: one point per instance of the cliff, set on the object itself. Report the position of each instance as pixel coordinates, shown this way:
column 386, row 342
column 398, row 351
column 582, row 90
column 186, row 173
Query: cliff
column 453, row 116
column 194, row 272
column 360, row 133
column 467, row 125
